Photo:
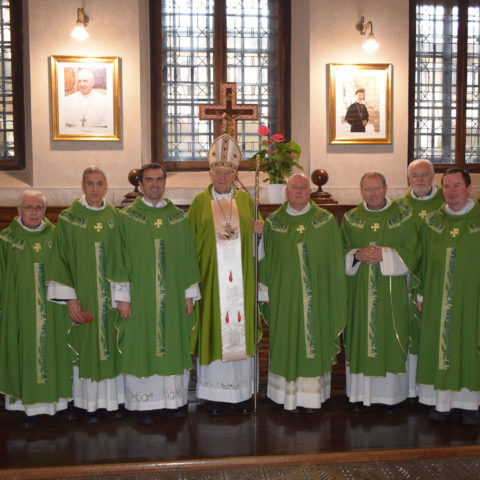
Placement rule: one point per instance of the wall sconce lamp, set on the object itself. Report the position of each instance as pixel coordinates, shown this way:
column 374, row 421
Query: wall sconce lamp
column 80, row 31
column 370, row 44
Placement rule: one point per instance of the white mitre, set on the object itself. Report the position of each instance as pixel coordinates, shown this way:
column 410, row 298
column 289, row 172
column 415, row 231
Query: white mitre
column 224, row 153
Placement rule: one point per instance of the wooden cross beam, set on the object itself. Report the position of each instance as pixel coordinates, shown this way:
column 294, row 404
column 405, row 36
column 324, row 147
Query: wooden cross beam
column 228, row 111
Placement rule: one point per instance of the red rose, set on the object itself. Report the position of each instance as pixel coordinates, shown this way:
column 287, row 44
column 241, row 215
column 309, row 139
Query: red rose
column 263, row 131
column 278, row 137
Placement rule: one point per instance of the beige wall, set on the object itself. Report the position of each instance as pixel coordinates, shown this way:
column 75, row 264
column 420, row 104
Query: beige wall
column 117, row 28
column 332, row 38
column 323, row 32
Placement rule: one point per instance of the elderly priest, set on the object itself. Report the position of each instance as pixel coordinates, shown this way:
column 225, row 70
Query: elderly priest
column 303, row 270
column 35, row 371
column 223, row 339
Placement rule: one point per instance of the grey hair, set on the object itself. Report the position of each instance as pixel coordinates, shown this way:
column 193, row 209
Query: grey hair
column 373, row 174
column 32, row 193
column 420, row 161
column 93, row 170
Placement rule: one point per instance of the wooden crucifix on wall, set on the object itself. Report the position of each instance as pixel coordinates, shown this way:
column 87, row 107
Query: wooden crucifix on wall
column 228, row 111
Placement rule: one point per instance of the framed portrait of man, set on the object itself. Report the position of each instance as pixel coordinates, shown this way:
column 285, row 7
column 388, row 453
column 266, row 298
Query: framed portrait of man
column 360, row 103
column 85, row 98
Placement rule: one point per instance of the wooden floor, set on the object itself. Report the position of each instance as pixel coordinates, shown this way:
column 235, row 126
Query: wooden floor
column 55, row 447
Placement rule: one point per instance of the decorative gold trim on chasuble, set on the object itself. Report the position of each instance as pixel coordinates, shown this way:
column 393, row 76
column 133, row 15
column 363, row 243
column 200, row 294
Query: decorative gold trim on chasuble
column 446, row 313
column 305, row 275
column 102, row 300
column 160, row 294
column 373, row 272
column 230, row 279
column 41, row 322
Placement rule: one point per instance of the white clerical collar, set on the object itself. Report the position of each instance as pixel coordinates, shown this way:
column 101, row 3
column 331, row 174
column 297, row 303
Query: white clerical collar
column 295, row 213
column 160, row 204
column 217, row 195
column 36, row 229
column 387, row 204
column 84, row 202
column 425, row 197
column 468, row 206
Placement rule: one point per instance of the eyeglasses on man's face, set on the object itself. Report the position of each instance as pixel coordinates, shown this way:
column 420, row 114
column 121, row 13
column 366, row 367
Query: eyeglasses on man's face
column 31, row 208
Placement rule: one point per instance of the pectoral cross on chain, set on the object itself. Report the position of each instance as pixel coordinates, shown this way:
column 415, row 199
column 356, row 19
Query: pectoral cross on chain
column 375, row 226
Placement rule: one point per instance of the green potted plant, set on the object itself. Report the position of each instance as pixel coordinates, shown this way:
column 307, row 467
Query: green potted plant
column 277, row 159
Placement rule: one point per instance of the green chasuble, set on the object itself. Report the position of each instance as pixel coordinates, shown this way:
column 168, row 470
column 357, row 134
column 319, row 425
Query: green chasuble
column 35, row 364
column 420, row 210
column 155, row 254
column 377, row 332
column 304, row 271
column 80, row 263
column 449, row 355
column 206, row 341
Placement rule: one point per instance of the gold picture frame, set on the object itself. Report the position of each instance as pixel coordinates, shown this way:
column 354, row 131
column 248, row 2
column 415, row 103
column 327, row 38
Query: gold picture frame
column 357, row 120
column 85, row 94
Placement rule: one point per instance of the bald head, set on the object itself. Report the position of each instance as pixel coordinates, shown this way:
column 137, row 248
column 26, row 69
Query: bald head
column 420, row 177
column 298, row 191
column 31, row 208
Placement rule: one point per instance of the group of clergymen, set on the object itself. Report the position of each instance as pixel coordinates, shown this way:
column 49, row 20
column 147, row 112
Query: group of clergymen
column 148, row 286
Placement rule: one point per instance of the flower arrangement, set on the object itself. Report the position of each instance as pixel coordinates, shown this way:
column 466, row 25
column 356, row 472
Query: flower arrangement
column 277, row 157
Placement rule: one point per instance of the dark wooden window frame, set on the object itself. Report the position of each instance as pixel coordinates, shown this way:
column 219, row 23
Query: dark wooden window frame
column 16, row 19
column 284, row 49
column 461, row 87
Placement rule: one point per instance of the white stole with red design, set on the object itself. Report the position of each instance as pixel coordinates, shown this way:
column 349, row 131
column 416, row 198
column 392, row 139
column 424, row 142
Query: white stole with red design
column 230, row 280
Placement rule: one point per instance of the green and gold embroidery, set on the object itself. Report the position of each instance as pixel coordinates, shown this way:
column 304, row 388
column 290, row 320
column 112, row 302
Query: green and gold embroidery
column 73, row 219
column 160, row 291
column 102, row 298
column 373, row 272
column 446, row 314
column 310, row 346
column 276, row 225
column 434, row 223
column 404, row 215
column 134, row 215
column 176, row 218
column 321, row 220
column 41, row 322
column 474, row 227
column 354, row 220
column 11, row 238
